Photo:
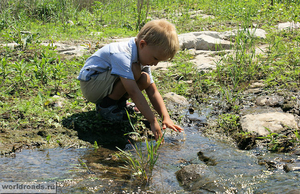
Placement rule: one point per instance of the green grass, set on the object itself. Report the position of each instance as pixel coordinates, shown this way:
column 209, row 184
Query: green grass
column 32, row 74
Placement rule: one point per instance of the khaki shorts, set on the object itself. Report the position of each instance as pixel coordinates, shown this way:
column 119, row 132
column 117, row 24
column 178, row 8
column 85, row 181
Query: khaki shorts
column 99, row 86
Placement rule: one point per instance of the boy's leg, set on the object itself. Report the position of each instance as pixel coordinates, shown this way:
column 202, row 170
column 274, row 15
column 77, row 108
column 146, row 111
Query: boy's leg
column 143, row 82
column 97, row 89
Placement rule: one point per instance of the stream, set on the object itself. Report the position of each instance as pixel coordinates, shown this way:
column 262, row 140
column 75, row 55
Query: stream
column 237, row 170
column 85, row 170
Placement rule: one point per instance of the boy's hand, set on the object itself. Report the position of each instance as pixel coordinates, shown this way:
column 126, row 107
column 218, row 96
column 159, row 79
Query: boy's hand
column 169, row 123
column 155, row 128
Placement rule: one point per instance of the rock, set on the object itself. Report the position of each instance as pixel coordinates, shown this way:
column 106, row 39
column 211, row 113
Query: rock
column 70, row 22
column 274, row 121
column 253, row 91
column 270, row 100
column 12, row 46
column 288, row 26
column 297, row 151
column 96, row 33
column 175, row 98
column 205, row 42
column 252, row 32
column 292, row 167
column 194, row 117
column 55, row 101
column 245, row 142
column 257, row 85
column 62, row 48
column 289, row 105
column 187, row 41
column 162, row 66
column 197, row 176
column 207, row 160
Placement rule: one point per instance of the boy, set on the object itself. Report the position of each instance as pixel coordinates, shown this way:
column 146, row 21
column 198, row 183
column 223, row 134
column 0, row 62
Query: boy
column 121, row 70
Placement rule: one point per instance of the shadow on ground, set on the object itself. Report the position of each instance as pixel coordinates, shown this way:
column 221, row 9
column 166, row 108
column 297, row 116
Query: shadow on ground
column 91, row 127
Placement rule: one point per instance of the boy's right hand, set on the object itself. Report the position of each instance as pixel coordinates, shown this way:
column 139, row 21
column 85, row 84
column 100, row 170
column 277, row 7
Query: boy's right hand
column 155, row 128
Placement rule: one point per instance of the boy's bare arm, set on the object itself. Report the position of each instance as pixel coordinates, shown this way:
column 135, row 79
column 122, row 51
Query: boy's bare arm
column 138, row 98
column 159, row 105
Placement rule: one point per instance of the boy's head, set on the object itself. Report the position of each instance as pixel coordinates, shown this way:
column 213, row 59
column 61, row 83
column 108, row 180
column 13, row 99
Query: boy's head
column 162, row 34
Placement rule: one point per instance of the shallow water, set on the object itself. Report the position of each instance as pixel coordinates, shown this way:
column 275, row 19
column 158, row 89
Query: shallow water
column 237, row 171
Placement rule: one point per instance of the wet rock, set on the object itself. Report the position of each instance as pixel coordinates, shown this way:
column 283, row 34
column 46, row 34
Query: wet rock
column 207, row 160
column 274, row 121
column 270, row 165
column 197, row 176
column 42, row 133
column 297, row 151
column 245, row 142
column 195, row 117
column 270, row 100
column 292, row 167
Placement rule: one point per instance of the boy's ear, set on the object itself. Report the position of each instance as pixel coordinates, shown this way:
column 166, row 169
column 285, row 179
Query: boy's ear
column 142, row 43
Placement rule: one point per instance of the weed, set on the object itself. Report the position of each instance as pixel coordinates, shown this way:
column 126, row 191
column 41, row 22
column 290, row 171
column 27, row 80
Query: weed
column 297, row 135
column 139, row 162
column 48, row 138
column 229, row 123
column 273, row 138
column 95, row 146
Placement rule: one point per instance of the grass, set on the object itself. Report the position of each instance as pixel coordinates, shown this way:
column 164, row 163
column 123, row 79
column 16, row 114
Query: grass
column 141, row 162
column 32, row 74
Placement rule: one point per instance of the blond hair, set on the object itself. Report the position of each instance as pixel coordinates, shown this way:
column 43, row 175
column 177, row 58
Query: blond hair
column 160, row 33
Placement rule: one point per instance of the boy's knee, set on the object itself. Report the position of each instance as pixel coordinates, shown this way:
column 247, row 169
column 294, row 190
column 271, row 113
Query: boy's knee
column 144, row 81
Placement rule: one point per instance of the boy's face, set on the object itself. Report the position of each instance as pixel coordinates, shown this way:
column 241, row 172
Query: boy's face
column 150, row 55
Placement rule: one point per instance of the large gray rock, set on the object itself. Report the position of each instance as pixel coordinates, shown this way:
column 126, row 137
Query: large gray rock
column 274, row 121
column 197, row 176
column 205, row 40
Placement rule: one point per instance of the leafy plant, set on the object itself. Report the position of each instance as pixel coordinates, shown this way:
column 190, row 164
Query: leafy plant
column 273, row 139
column 141, row 162
column 229, row 122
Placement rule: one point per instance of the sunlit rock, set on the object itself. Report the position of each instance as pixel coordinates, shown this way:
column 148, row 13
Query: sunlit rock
column 288, row 26
column 175, row 98
column 274, row 121
column 270, row 100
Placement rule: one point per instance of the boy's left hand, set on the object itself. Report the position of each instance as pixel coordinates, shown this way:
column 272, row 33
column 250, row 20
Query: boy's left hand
column 169, row 123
